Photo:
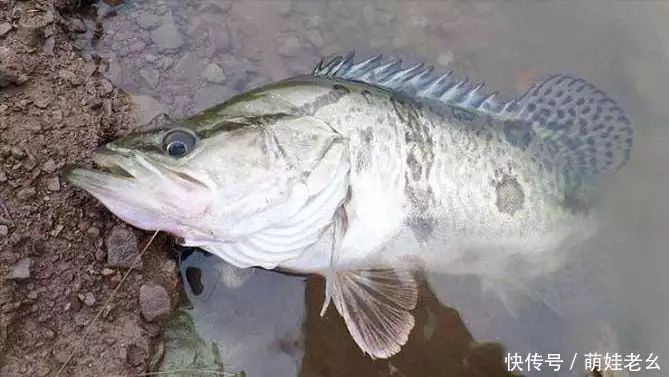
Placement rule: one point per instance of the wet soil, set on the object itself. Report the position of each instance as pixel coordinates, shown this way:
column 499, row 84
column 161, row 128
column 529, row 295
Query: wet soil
column 61, row 253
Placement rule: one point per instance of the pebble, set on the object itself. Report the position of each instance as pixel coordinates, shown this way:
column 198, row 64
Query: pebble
column 212, row 95
column 147, row 20
column 107, row 272
column 26, row 193
column 122, row 248
column 167, row 37
column 214, row 74
column 3, row 176
column 150, row 76
column 93, row 233
column 146, row 108
column 21, row 270
column 5, row 27
column 154, row 301
column 4, row 230
column 290, row 46
column 76, row 25
column 316, row 38
column 88, row 299
column 53, row 184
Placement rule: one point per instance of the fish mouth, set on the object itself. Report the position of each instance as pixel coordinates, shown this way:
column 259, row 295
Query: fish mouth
column 106, row 164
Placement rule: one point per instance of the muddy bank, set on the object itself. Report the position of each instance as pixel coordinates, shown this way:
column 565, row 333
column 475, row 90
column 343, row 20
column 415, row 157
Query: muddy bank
column 61, row 253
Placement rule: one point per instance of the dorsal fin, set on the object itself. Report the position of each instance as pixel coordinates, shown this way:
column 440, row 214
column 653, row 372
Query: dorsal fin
column 418, row 81
column 574, row 120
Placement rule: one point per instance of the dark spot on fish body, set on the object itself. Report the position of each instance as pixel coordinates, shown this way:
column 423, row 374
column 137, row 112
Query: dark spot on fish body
column 510, row 195
column 414, row 166
column 422, row 227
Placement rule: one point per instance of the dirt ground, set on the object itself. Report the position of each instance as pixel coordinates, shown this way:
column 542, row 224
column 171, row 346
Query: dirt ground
column 61, row 253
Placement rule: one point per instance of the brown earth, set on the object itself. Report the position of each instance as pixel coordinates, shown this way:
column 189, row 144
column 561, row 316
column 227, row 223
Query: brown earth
column 58, row 263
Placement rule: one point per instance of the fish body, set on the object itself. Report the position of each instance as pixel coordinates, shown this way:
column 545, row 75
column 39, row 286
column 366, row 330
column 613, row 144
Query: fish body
column 365, row 172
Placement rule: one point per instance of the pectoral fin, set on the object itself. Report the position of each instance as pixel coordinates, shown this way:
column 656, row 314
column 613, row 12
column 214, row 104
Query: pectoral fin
column 375, row 305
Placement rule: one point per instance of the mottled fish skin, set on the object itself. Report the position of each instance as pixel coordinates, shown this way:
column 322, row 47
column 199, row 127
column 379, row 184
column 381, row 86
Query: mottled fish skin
column 364, row 172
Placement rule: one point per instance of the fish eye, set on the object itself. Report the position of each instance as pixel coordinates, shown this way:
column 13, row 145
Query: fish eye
column 179, row 143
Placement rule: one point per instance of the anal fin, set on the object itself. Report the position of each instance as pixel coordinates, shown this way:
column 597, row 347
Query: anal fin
column 375, row 305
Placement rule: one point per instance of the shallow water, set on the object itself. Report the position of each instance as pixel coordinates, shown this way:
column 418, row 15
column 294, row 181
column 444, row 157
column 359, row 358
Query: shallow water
column 181, row 57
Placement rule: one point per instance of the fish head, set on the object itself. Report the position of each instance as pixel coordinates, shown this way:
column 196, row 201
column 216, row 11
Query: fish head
column 215, row 181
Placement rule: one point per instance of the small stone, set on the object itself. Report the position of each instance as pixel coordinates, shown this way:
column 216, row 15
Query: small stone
column 150, row 76
column 49, row 166
column 136, row 47
column 107, row 272
column 3, row 177
column 105, row 87
column 76, row 25
column 290, row 46
column 147, row 20
column 93, row 233
column 5, row 27
column 70, row 77
column 214, row 74
column 32, row 295
column 285, row 7
column 316, row 38
column 146, row 108
column 88, row 299
column 122, row 249
column 4, row 230
column 42, row 371
column 32, row 25
column 167, row 37
column 154, row 301
column 100, row 255
column 21, row 270
column 445, row 59
column 41, row 102
column 26, row 193
column 53, row 184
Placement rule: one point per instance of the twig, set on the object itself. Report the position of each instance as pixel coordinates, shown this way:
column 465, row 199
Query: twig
column 90, row 325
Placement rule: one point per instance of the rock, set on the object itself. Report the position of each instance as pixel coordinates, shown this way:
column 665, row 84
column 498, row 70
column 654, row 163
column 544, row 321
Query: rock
column 107, row 272
column 31, row 26
column 4, row 230
column 21, row 270
column 5, row 27
column 214, row 74
column 26, row 193
column 316, row 38
column 105, row 87
column 289, row 46
column 211, row 95
column 93, row 233
column 137, row 47
column 285, row 7
column 49, row 166
column 41, row 102
column 53, row 184
column 147, row 20
column 88, row 299
column 167, row 37
column 122, row 248
column 154, row 301
column 76, row 25
column 73, row 79
column 146, row 108
column 150, row 76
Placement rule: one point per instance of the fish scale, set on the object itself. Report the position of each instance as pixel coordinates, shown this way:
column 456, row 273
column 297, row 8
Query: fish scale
column 368, row 172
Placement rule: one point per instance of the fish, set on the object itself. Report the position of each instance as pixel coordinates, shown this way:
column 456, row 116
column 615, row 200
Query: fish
column 368, row 172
